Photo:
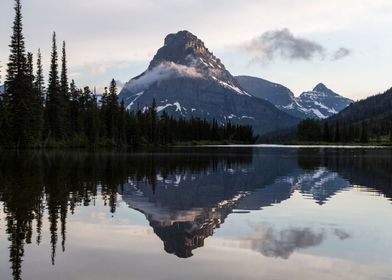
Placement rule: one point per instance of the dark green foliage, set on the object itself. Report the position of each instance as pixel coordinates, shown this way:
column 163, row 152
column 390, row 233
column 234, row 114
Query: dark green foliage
column 309, row 130
column 337, row 132
column 326, row 133
column 55, row 101
column 20, row 121
column 364, row 132
column 39, row 76
column 64, row 87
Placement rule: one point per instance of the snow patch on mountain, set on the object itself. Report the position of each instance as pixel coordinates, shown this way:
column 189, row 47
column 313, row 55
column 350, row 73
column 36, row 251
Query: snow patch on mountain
column 134, row 97
column 231, row 86
column 175, row 104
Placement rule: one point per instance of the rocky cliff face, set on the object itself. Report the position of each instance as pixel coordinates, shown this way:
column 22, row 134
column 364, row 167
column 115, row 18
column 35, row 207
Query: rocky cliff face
column 187, row 80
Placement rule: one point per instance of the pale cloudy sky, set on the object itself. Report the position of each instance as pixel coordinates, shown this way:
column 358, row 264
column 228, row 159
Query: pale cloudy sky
column 118, row 38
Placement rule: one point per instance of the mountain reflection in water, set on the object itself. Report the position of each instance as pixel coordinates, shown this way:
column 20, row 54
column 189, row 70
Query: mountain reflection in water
column 185, row 194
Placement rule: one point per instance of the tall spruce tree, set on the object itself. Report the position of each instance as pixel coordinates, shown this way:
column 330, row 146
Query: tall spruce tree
column 19, row 99
column 337, row 132
column 65, row 92
column 39, row 83
column 55, row 102
column 326, row 133
column 17, row 58
column 364, row 132
column 64, row 74
column 30, row 68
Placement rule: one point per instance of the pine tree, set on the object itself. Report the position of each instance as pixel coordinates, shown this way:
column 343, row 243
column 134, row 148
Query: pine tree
column 55, row 102
column 39, row 76
column 17, row 58
column 390, row 132
column 19, row 100
column 64, row 74
column 337, row 132
column 30, row 68
column 65, row 93
column 326, row 133
column 364, row 133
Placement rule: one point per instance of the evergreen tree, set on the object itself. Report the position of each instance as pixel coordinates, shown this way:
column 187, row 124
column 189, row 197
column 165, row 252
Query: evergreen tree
column 153, row 122
column 17, row 58
column 64, row 74
column 75, row 110
column 55, row 102
column 364, row 133
column 19, row 98
column 30, row 68
column 65, row 93
column 337, row 132
column 390, row 132
column 326, row 133
column 39, row 76
column 110, row 113
column 309, row 130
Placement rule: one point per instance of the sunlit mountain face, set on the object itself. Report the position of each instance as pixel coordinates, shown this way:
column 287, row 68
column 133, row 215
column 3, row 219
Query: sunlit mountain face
column 186, row 198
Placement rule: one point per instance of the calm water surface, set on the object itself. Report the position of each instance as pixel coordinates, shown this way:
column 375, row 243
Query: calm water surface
column 201, row 213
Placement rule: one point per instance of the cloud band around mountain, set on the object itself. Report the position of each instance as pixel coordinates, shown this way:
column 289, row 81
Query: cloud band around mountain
column 284, row 44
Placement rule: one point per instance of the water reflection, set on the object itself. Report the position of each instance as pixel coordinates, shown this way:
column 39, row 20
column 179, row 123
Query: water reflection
column 184, row 194
column 282, row 243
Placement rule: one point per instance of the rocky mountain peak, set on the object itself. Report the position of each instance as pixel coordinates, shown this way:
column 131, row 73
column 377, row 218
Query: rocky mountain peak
column 324, row 89
column 186, row 49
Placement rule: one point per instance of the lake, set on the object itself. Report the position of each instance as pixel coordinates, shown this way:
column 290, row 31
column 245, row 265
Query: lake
column 197, row 213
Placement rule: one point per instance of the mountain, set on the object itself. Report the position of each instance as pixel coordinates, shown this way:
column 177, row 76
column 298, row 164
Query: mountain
column 279, row 95
column 319, row 103
column 323, row 102
column 187, row 80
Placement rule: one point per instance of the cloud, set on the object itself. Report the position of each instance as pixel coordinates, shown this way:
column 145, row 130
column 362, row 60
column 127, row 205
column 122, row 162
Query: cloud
column 96, row 69
column 99, row 69
column 164, row 71
column 284, row 44
column 341, row 53
column 282, row 244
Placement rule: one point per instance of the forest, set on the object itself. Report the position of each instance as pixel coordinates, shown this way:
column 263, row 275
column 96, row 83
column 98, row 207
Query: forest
column 61, row 114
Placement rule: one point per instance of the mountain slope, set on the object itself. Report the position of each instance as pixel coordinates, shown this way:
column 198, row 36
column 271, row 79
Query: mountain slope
column 375, row 110
column 277, row 94
column 187, row 80
column 1, row 89
column 319, row 103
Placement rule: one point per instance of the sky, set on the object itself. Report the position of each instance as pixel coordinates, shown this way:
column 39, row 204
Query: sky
column 346, row 44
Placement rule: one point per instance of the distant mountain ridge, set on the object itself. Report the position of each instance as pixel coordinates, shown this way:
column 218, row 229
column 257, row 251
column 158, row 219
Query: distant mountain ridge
column 320, row 103
column 187, row 80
